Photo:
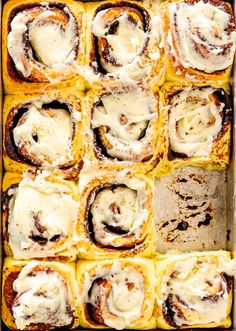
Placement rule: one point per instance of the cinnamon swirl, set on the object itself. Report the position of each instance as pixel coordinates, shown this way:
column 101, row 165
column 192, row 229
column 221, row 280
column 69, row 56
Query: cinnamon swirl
column 194, row 290
column 121, row 128
column 200, row 38
column 42, row 42
column 116, row 294
column 116, row 216
column 198, row 125
column 124, row 43
column 43, row 131
column 39, row 215
column 39, row 295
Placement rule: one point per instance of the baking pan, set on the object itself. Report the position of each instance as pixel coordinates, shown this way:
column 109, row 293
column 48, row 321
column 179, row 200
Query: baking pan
column 230, row 187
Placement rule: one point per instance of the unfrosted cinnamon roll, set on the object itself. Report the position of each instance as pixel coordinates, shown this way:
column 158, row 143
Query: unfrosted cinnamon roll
column 42, row 43
column 39, row 295
column 40, row 215
column 117, row 294
column 198, row 125
column 116, row 216
column 200, row 38
column 43, row 131
column 194, row 290
column 124, row 43
column 121, row 128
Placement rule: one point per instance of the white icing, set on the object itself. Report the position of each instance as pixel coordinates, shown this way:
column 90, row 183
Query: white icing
column 125, row 44
column 52, row 42
column 126, row 115
column 194, row 121
column 41, row 208
column 123, row 305
column 124, row 198
column 122, row 207
column 194, row 280
column 41, row 298
column 200, row 35
column 54, row 134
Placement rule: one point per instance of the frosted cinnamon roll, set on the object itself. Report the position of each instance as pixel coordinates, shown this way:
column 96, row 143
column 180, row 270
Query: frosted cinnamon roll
column 112, row 28
column 195, row 290
column 116, row 217
column 199, row 124
column 124, row 125
column 40, row 216
column 116, row 294
column 200, row 38
column 43, row 43
column 121, row 127
column 42, row 131
column 125, row 42
column 39, row 295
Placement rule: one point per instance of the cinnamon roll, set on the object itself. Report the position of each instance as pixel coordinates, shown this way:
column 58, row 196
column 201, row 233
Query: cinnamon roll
column 39, row 217
column 200, row 40
column 198, row 125
column 124, row 43
column 43, row 131
column 42, row 43
column 117, row 294
column 39, row 295
column 116, row 215
column 194, row 290
column 121, row 128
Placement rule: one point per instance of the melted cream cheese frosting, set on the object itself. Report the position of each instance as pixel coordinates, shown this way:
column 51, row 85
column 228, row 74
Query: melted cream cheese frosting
column 129, row 46
column 200, row 289
column 53, row 131
column 128, row 115
column 125, row 44
column 195, row 120
column 52, row 43
column 42, row 218
column 121, row 207
column 125, row 299
column 201, row 36
column 41, row 297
